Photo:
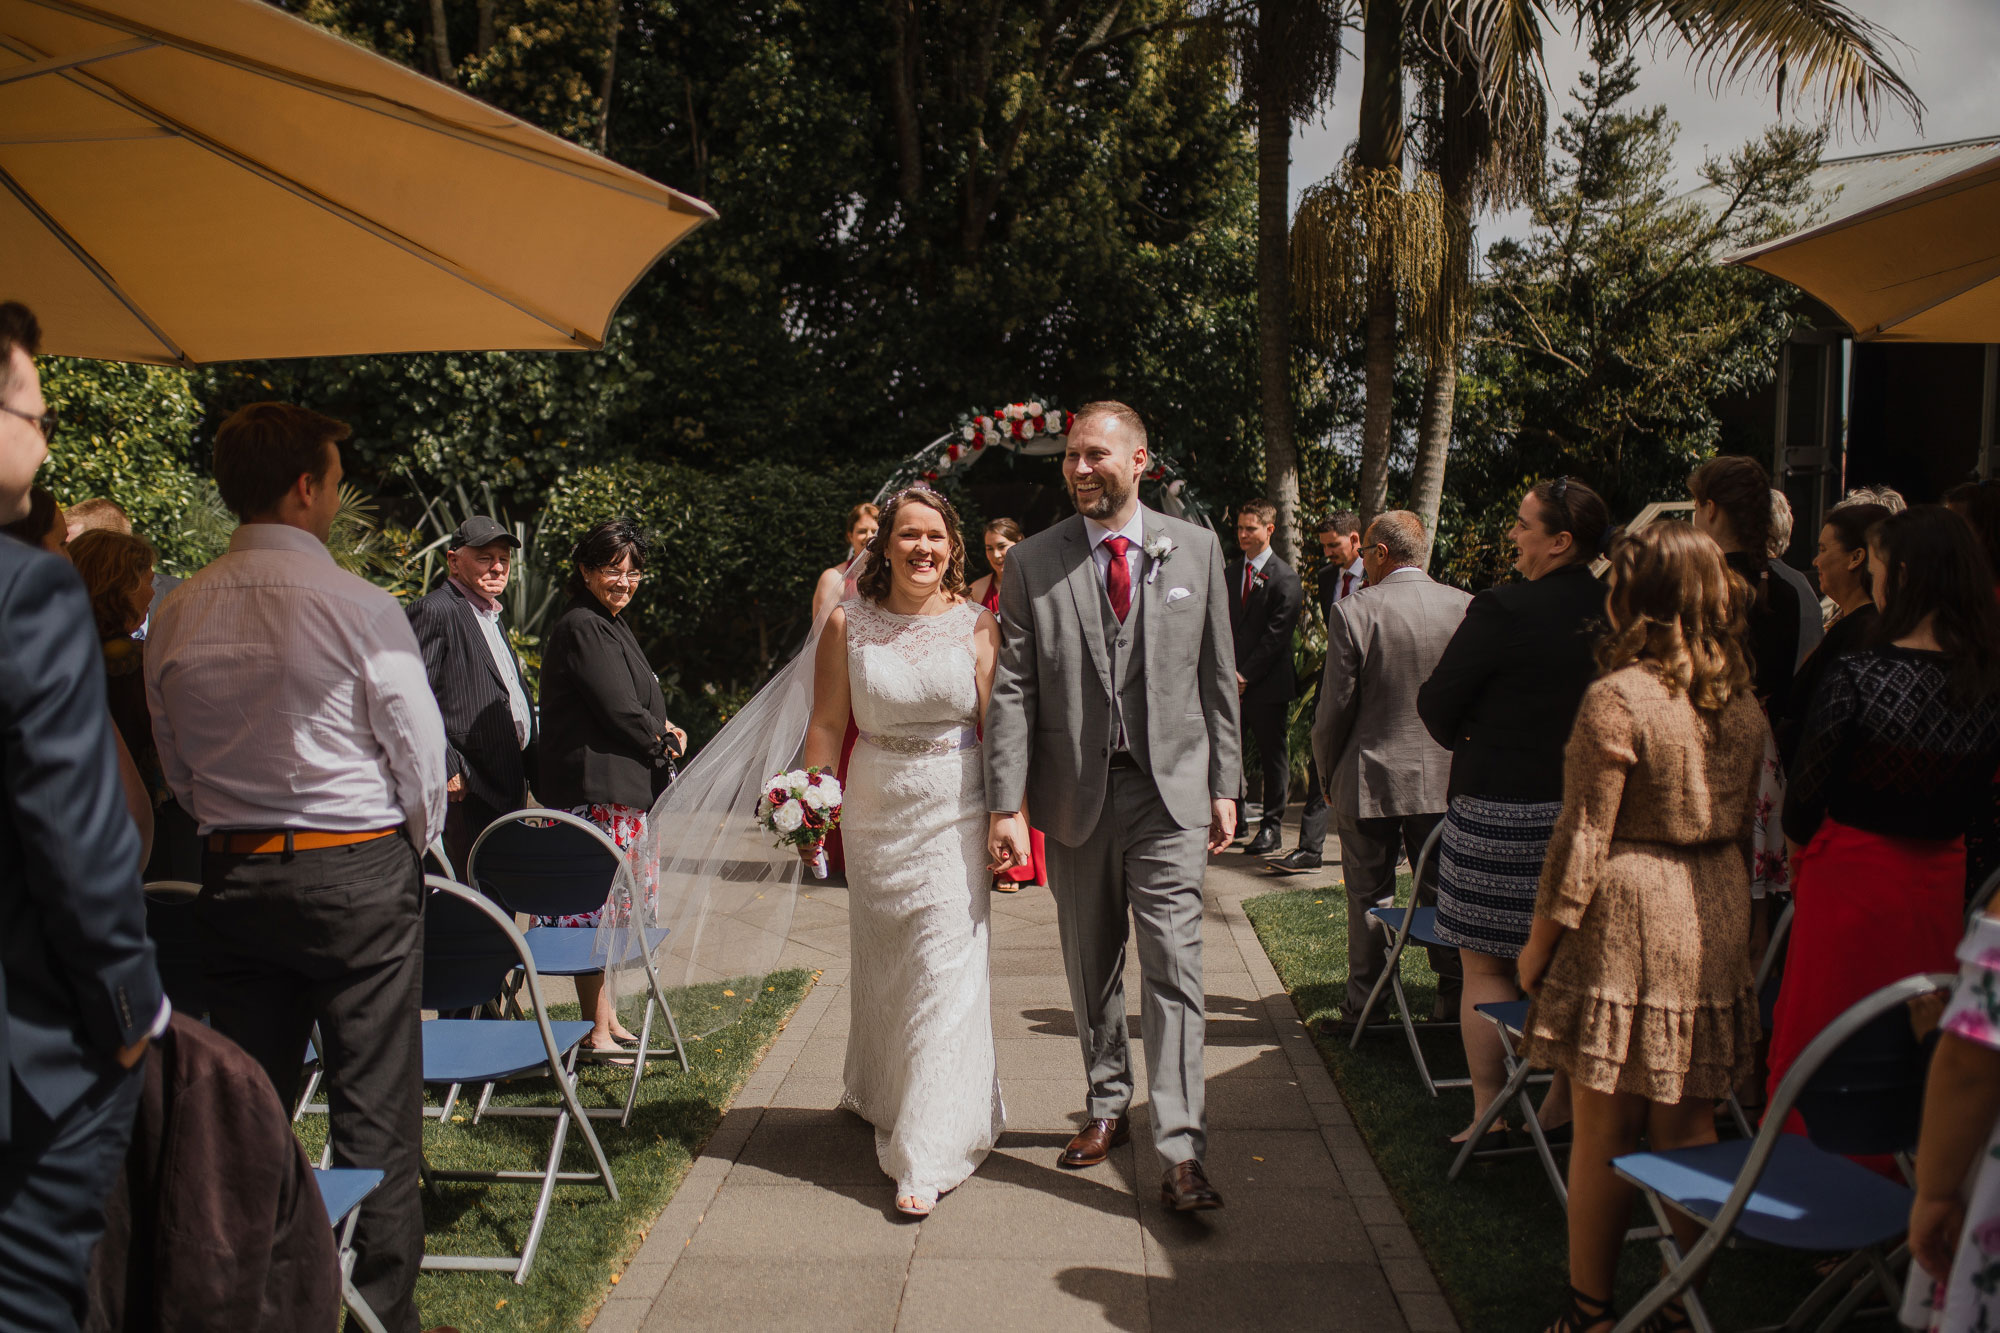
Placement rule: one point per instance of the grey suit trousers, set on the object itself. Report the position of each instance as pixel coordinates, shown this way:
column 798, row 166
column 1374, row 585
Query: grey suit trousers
column 1137, row 858
column 1369, row 851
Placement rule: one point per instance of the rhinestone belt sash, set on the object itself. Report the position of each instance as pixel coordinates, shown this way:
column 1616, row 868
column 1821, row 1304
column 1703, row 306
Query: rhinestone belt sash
column 965, row 738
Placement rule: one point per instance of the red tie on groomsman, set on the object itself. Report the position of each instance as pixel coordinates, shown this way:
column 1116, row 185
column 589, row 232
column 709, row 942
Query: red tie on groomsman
column 1118, row 577
column 1249, row 573
column 1346, row 582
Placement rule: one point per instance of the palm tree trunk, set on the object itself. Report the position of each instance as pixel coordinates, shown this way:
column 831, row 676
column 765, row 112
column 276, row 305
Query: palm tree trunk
column 1274, row 313
column 1380, row 147
column 482, row 41
column 1433, row 444
column 610, row 78
column 441, row 44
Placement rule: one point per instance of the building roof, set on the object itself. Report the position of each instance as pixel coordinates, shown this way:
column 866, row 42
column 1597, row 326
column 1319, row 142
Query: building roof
column 1846, row 185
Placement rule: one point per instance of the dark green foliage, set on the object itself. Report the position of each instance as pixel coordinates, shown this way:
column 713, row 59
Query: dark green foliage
column 1603, row 341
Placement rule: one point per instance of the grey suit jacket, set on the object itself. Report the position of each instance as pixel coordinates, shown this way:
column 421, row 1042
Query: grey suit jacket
column 1049, row 725
column 1382, row 644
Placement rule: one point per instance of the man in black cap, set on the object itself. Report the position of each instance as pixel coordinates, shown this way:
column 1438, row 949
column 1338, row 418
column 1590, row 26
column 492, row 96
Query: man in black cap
column 489, row 717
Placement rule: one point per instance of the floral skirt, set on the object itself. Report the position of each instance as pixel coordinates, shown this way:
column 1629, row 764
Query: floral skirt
column 624, row 825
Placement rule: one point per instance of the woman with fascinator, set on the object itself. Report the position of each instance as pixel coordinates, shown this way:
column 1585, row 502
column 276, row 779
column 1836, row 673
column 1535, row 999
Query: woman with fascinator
column 910, row 659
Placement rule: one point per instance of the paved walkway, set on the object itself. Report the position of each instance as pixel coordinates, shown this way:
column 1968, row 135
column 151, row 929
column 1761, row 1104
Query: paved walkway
column 786, row 1221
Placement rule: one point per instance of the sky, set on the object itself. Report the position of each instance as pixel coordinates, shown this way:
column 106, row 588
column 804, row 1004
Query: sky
column 1950, row 54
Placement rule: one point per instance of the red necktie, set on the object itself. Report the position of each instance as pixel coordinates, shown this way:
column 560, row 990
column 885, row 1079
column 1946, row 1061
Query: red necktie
column 1346, row 582
column 1118, row 578
column 1249, row 572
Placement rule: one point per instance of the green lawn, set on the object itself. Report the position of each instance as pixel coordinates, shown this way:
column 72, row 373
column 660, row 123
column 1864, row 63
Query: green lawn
column 588, row 1237
column 1495, row 1236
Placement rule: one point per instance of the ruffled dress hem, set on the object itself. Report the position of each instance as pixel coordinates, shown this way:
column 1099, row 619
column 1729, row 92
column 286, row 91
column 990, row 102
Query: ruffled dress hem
column 1664, row 1053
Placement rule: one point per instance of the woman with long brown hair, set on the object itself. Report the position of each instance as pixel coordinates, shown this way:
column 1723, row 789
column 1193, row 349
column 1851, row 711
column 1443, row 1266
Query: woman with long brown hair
column 1893, row 766
column 1732, row 506
column 1636, row 959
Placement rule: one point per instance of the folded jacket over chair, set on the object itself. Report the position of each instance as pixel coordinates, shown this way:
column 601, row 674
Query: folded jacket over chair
column 216, row 1222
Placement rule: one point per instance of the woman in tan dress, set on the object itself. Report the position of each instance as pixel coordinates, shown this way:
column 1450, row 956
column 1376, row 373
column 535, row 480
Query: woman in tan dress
column 1638, row 959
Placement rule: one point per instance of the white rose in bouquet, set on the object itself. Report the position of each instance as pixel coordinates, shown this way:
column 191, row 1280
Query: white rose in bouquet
column 796, row 779
column 829, row 785
column 787, row 817
column 815, row 797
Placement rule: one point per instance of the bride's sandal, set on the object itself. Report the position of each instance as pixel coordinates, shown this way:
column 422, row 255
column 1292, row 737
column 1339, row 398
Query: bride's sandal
column 916, row 1203
column 1584, row 1313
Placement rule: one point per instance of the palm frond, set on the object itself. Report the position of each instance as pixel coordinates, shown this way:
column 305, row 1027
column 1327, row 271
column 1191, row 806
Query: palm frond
column 1788, row 45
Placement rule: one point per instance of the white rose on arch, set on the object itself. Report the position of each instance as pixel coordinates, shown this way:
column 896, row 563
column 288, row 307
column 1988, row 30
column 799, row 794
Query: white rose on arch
column 1034, row 409
column 969, row 433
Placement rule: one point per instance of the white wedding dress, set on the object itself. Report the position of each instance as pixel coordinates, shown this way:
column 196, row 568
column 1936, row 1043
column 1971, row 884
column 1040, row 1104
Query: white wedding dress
column 920, row 1058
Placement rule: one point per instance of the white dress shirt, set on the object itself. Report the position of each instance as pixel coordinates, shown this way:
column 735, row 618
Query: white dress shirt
column 1359, row 573
column 289, row 693
column 487, row 613
column 1134, row 530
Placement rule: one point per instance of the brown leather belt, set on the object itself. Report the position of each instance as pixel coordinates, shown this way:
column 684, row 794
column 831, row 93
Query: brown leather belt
column 264, row 842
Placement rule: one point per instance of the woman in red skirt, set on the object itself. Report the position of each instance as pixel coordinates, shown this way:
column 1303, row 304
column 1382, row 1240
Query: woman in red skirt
column 1900, row 745
column 1001, row 534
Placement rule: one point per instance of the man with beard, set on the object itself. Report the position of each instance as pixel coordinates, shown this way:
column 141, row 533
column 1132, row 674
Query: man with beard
column 1114, row 718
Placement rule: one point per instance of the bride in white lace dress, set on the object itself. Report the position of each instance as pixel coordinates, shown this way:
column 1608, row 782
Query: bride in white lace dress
column 912, row 660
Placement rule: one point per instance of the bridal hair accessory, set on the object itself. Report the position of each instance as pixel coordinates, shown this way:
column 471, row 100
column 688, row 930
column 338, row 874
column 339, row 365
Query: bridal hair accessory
column 1159, row 551
column 801, row 807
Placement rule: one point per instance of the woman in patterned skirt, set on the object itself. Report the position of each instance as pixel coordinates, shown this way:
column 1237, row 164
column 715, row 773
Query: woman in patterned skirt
column 605, row 739
column 1501, row 700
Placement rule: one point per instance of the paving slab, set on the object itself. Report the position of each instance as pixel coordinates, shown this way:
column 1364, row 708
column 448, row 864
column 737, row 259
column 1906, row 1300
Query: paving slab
column 786, row 1218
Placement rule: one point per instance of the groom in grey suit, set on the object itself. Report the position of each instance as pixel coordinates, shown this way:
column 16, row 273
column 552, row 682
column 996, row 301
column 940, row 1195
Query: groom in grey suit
column 1113, row 718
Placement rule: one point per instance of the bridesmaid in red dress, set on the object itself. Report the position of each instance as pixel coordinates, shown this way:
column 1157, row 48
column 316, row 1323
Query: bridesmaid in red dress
column 1900, row 743
column 1002, row 533
column 836, row 585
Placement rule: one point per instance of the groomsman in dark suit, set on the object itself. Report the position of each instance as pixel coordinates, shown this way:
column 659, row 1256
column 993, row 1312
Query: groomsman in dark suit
column 1340, row 577
column 489, row 716
column 79, row 997
column 1265, row 597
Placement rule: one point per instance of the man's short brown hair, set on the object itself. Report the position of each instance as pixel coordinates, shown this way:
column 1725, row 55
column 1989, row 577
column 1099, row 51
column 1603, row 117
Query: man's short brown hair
column 1118, row 412
column 18, row 328
column 1343, row 521
column 98, row 514
column 263, row 449
column 1265, row 511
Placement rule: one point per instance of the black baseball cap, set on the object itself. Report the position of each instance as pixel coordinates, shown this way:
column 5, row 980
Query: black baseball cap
column 480, row 530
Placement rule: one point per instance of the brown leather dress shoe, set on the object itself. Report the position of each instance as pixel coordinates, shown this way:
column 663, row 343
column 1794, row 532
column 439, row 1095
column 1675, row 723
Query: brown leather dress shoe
column 1186, row 1189
column 1095, row 1142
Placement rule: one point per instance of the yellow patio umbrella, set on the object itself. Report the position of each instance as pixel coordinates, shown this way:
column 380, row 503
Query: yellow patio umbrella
column 1918, row 267
column 187, row 181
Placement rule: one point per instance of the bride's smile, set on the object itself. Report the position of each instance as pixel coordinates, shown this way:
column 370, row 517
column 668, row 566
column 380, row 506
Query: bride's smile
column 919, row 557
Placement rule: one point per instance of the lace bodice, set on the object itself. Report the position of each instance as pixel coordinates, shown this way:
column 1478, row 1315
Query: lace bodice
column 912, row 676
column 1887, row 748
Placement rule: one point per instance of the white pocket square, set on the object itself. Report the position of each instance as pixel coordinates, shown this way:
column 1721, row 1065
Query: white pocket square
column 1175, row 594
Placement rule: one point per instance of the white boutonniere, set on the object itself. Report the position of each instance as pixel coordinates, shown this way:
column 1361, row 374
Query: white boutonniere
column 1159, row 550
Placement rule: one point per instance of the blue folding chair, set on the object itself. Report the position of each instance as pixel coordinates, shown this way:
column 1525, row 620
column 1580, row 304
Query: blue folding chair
column 342, row 1192
column 551, row 863
column 1859, row 1088
column 1404, row 925
column 471, row 949
column 1511, row 1018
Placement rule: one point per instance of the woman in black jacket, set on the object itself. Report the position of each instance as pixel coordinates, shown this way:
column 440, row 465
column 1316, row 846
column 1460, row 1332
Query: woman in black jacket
column 605, row 738
column 1842, row 563
column 1502, row 700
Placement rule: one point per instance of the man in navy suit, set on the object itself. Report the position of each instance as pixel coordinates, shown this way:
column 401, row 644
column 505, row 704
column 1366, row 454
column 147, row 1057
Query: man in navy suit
column 82, row 998
column 489, row 716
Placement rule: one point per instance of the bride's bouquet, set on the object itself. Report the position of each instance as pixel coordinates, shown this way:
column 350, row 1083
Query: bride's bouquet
column 800, row 808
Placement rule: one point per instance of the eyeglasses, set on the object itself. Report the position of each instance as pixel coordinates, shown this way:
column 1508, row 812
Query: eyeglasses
column 45, row 423
column 629, row 580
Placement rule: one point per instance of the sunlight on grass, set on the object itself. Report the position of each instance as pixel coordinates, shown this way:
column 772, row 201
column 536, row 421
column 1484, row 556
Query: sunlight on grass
column 1496, row 1235
column 588, row 1237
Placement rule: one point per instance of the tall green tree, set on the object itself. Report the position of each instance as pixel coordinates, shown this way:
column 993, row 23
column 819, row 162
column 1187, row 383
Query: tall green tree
column 1816, row 47
column 1604, row 340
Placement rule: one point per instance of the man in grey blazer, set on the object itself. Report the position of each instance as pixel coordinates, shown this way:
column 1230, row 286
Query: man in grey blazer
column 1386, row 778
column 1114, row 719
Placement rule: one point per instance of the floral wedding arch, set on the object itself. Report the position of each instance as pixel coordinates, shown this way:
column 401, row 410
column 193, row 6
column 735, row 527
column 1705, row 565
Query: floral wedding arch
column 1035, row 429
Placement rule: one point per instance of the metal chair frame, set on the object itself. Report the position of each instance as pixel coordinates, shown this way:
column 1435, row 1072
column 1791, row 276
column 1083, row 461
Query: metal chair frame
column 1519, row 1074
column 563, row 1071
column 1871, row 1264
column 1781, row 931
column 1392, row 974
column 656, row 994
column 343, row 1227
